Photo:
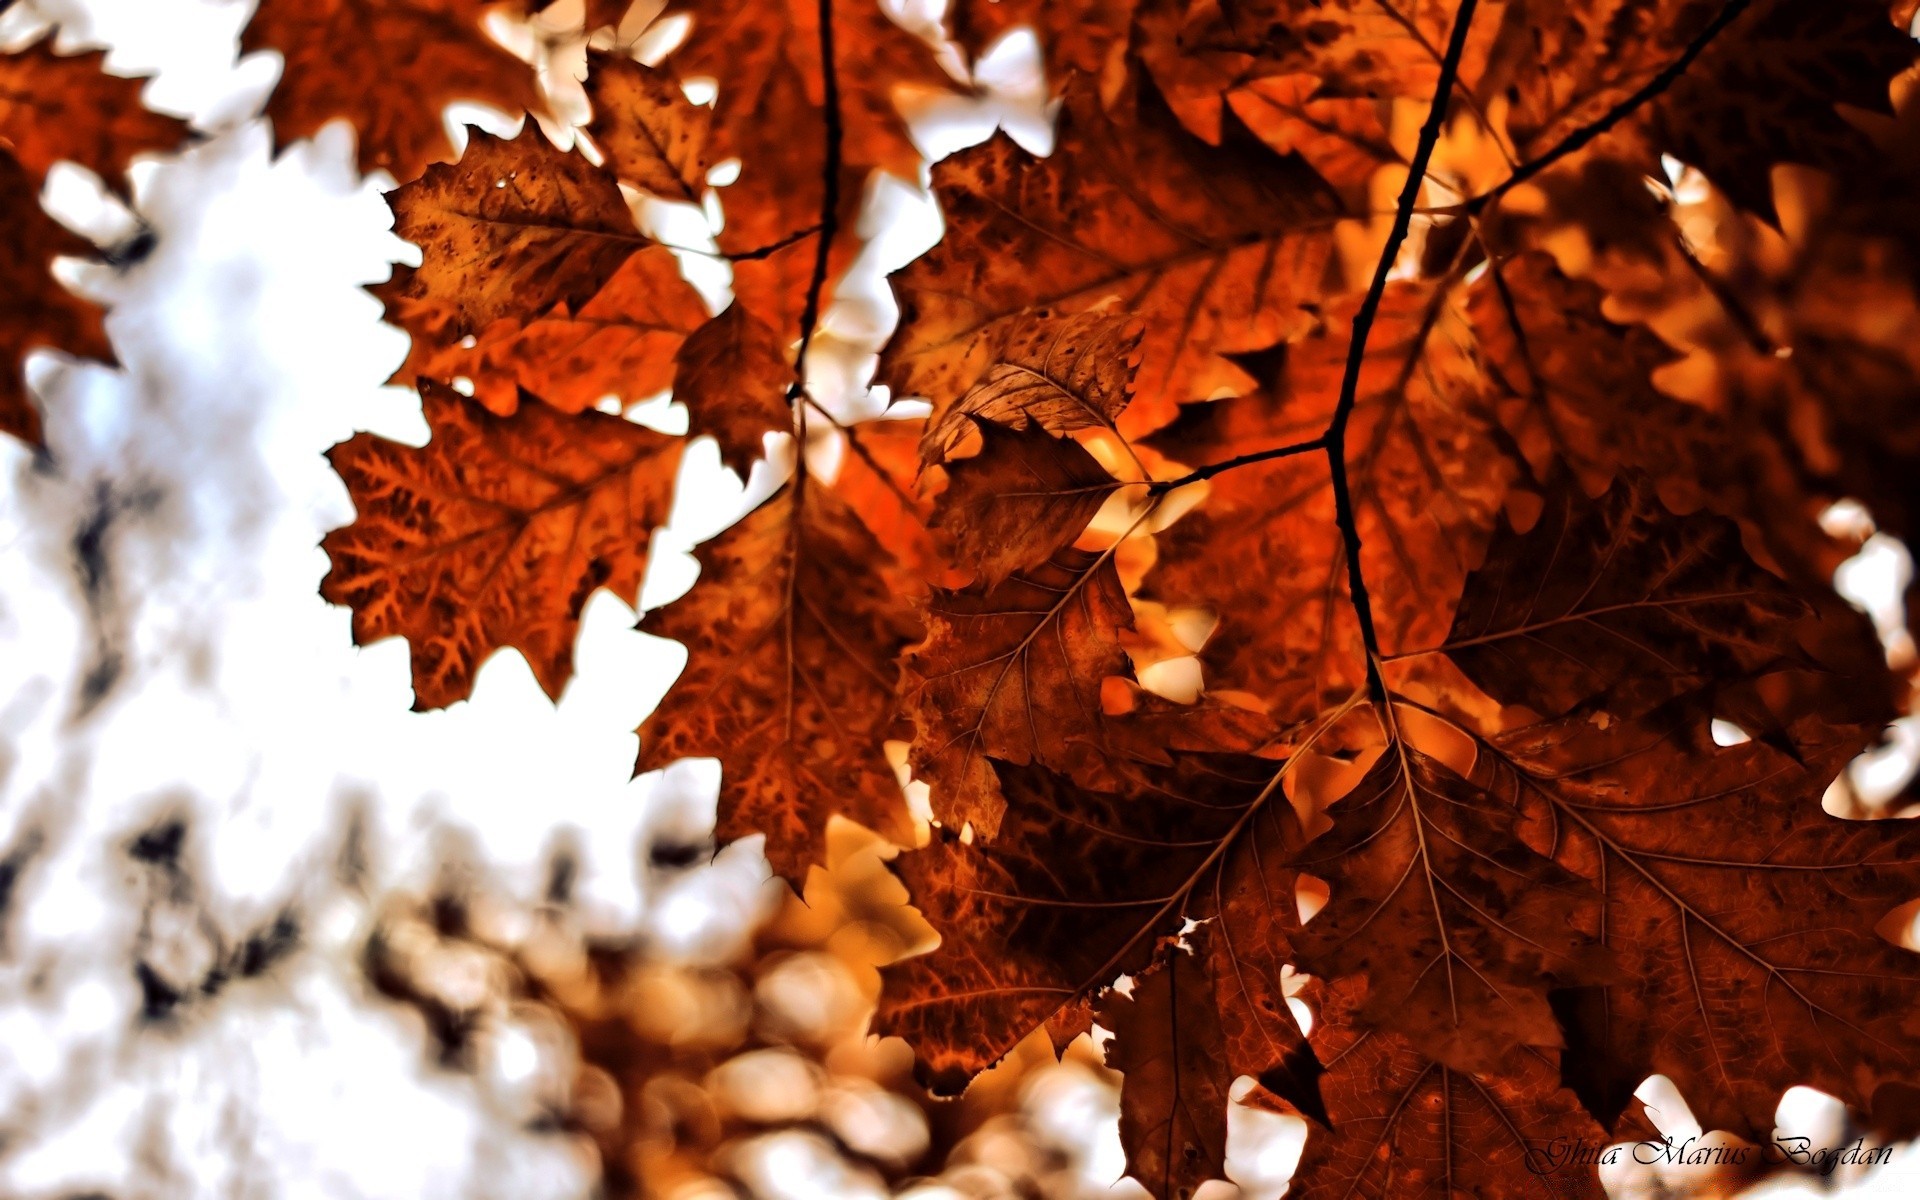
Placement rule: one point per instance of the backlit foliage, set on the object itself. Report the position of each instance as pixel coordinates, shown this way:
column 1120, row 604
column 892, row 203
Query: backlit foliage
column 1452, row 387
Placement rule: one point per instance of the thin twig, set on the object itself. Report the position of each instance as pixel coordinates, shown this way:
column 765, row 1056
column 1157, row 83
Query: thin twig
column 1163, row 486
column 1336, row 435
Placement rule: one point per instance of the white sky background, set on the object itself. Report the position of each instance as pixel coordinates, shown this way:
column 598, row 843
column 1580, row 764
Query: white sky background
column 165, row 660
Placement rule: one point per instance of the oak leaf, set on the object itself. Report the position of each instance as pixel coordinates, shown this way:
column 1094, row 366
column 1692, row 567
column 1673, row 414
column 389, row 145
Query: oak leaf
column 1026, row 496
column 792, row 635
column 494, row 534
column 1059, row 373
column 390, row 67
column 1264, row 548
column 1013, row 673
column 1177, row 1042
column 1617, row 597
column 1077, row 887
column 733, row 376
column 1217, row 249
column 513, row 228
column 36, row 312
column 1402, row 1125
column 1457, row 925
column 65, row 106
column 1743, row 916
column 620, row 343
column 652, row 135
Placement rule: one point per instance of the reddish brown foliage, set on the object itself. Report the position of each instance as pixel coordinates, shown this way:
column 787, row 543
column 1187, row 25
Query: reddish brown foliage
column 1370, row 357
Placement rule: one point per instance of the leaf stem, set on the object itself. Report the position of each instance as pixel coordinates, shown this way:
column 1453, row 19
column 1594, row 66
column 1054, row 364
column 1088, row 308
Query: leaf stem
column 1336, row 434
column 1574, row 141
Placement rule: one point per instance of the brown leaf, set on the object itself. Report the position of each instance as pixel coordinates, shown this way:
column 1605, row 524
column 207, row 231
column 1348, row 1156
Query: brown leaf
column 1458, row 927
column 1572, row 386
column 620, row 343
column 1013, row 673
column 515, row 227
column 1026, row 496
column 653, row 136
column 733, row 376
column 1404, row 1126
column 1168, row 1045
column 1345, row 140
column 1742, row 914
column 1218, row 250
column 35, row 311
column 1076, row 36
column 1077, row 887
column 1059, row 373
column 791, row 634
column 390, row 67
column 1618, row 597
column 66, row 106
column 494, row 534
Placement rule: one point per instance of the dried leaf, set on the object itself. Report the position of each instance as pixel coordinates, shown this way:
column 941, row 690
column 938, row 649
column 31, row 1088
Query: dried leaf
column 494, row 534
column 1026, row 496
column 1013, row 673
column 65, row 106
column 1059, row 373
column 791, row 634
column 35, row 311
column 620, row 343
column 390, row 67
column 515, row 227
column 733, row 376
column 653, row 136
column 1218, row 250
column 1617, row 597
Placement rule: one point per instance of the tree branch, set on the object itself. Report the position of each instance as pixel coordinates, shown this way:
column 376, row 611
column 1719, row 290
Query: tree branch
column 1574, row 141
column 829, row 200
column 1336, row 436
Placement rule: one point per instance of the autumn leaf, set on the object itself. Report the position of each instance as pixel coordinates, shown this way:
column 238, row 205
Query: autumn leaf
column 1026, row 496
column 652, row 135
column 733, row 376
column 620, row 343
column 494, row 534
column 1077, row 887
column 774, row 113
column 1177, row 1039
column 1617, row 597
column 66, row 106
column 513, row 228
column 1458, row 927
column 791, row 636
column 1732, row 88
column 1217, row 249
column 390, row 68
column 1058, row 373
column 1403, row 1125
column 1743, row 915
column 36, row 312
column 1168, row 1044
column 1013, row 673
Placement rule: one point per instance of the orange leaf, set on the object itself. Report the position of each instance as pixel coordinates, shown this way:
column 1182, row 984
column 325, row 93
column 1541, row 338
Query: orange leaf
column 791, row 634
column 494, row 534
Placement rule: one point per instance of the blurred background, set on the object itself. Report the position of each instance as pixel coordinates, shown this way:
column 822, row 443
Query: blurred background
column 265, row 932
